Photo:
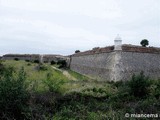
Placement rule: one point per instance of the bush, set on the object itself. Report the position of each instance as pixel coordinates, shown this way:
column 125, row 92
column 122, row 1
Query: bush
column 155, row 89
column 45, row 61
column 27, row 60
column 28, row 64
column 16, row 59
column 13, row 94
column 53, row 62
column 36, row 61
column 53, row 84
column 2, row 68
column 62, row 63
column 42, row 67
column 139, row 85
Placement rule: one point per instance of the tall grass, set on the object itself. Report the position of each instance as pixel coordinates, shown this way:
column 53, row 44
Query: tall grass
column 86, row 100
column 78, row 76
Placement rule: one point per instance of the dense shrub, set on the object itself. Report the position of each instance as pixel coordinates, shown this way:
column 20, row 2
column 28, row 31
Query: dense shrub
column 45, row 61
column 81, row 107
column 27, row 60
column 2, row 68
column 16, row 59
column 53, row 62
column 155, row 89
column 43, row 67
column 28, row 64
column 62, row 63
column 52, row 83
column 13, row 94
column 139, row 85
column 36, row 61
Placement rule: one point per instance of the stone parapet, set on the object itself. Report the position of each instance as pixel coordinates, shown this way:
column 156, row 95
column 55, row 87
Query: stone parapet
column 140, row 49
column 96, row 51
column 125, row 48
column 32, row 57
column 115, row 65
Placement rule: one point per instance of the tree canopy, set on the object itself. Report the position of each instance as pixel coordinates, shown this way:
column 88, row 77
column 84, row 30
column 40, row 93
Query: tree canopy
column 77, row 51
column 144, row 42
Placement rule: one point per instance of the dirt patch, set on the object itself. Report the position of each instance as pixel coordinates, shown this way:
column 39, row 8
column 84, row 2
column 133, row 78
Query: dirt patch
column 69, row 76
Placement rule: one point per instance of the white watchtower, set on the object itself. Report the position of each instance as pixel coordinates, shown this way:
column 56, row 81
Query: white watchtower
column 41, row 58
column 118, row 43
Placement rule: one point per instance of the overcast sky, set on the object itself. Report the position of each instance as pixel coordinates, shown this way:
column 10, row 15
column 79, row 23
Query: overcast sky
column 63, row 26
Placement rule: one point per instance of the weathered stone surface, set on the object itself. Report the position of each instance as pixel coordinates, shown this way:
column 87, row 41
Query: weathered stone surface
column 98, row 65
column 118, row 65
column 32, row 57
column 133, row 63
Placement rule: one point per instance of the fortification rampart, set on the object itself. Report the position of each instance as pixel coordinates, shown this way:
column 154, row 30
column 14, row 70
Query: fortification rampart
column 96, row 50
column 32, row 57
column 21, row 57
column 95, row 65
column 115, row 65
column 134, row 62
column 139, row 49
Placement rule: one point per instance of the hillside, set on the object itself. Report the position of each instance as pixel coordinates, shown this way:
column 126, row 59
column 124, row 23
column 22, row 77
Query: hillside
column 45, row 92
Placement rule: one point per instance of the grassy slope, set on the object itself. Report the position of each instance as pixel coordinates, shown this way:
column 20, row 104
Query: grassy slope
column 36, row 78
column 92, row 100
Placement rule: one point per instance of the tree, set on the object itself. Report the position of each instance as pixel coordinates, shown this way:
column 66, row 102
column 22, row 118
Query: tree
column 77, row 51
column 144, row 42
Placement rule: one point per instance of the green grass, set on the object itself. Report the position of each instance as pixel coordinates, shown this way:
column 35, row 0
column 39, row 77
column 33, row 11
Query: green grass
column 35, row 77
column 78, row 76
column 55, row 97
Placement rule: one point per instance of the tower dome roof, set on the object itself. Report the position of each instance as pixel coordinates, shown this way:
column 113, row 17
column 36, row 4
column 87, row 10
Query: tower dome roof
column 118, row 37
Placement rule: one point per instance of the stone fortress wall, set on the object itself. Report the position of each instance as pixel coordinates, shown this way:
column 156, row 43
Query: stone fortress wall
column 109, row 64
column 32, row 57
column 112, row 63
column 21, row 57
